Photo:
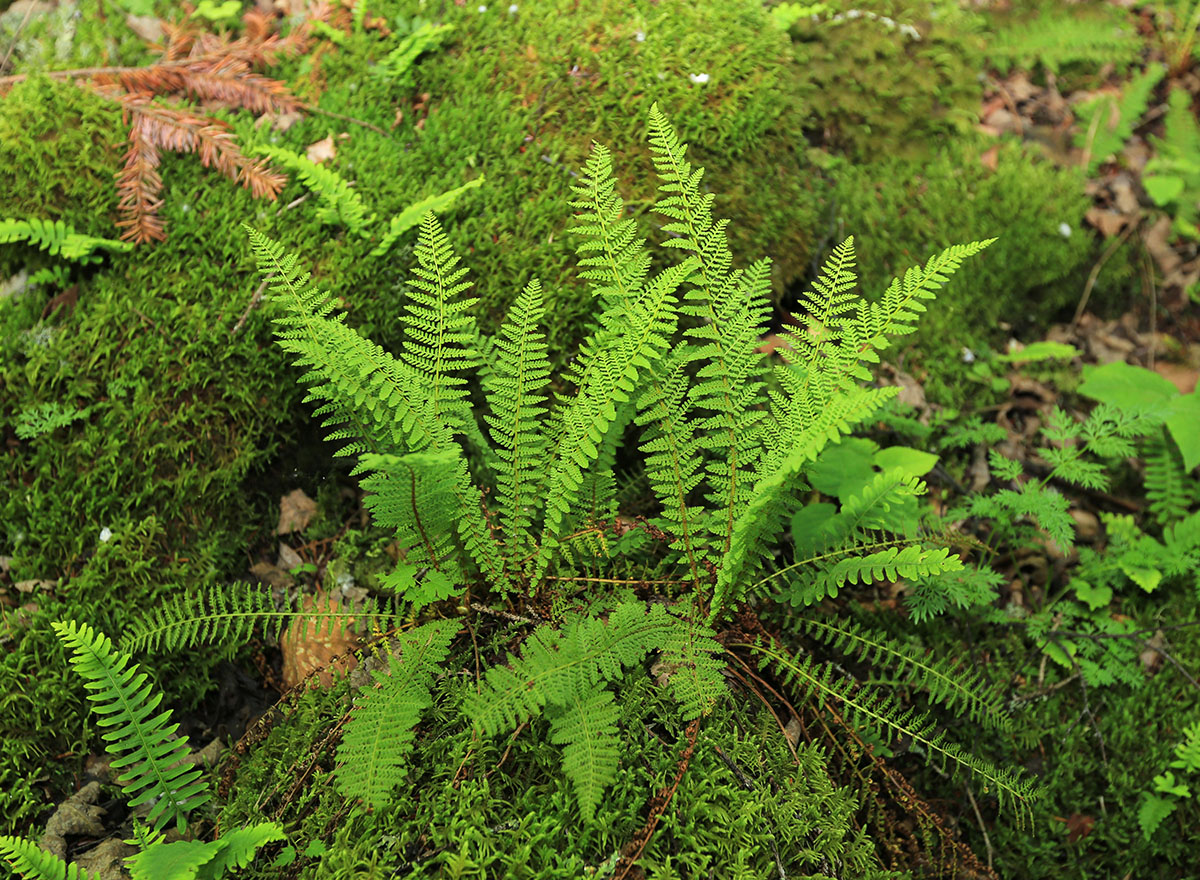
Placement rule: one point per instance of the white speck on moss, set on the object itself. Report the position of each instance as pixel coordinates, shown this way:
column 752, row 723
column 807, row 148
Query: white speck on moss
column 512, row 9
column 1064, row 229
column 640, row 36
column 698, row 78
column 968, row 356
column 483, row 9
column 105, row 535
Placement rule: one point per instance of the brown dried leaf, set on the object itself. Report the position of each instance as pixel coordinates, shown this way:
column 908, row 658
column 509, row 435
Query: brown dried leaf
column 296, row 511
column 321, row 151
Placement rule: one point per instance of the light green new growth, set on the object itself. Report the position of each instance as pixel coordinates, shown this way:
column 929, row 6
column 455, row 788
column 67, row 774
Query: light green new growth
column 31, row 862
column 339, row 201
column 1107, row 122
column 414, row 213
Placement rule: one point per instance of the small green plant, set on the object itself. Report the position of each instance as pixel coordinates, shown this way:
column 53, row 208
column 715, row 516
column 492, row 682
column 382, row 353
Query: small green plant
column 1107, row 121
column 1160, row 803
column 141, row 744
column 1062, row 37
column 1172, row 177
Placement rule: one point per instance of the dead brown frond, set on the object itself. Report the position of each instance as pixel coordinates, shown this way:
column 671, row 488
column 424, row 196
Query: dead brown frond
column 214, row 69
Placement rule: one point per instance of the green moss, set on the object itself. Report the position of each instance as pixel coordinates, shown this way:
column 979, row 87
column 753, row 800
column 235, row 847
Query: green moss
column 901, row 211
column 59, row 148
column 875, row 90
column 461, row 818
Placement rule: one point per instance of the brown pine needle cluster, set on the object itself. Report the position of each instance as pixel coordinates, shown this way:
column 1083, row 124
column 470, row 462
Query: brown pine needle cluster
column 195, row 65
column 202, row 67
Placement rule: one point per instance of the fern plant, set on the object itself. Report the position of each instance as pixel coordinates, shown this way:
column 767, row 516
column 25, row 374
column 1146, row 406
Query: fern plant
column 59, row 239
column 142, row 744
column 1172, row 177
column 505, row 510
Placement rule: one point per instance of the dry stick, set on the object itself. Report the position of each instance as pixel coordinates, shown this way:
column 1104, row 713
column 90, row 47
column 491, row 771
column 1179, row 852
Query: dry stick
column 254, row 300
column 987, row 841
column 1149, row 276
column 627, row 862
column 16, row 36
column 1095, row 273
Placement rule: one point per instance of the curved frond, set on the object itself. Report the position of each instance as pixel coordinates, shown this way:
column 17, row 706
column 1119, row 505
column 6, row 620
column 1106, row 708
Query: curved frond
column 31, row 862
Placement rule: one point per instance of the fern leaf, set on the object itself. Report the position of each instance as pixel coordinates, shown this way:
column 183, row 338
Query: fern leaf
column 615, row 376
column 125, row 700
column 414, row 213
column 586, row 728
column 696, row 679
column 340, row 202
column 438, row 324
column 203, row 860
column 31, row 862
column 1168, row 489
column 611, row 256
column 58, row 238
column 958, row 689
column 398, row 63
column 731, row 308
column 773, row 495
column 378, row 738
column 1107, row 122
column 516, row 396
column 1065, row 38
column 873, row 709
column 227, row 617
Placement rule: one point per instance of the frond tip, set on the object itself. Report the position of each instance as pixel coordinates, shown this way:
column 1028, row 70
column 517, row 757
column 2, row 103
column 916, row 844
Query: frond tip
column 145, row 744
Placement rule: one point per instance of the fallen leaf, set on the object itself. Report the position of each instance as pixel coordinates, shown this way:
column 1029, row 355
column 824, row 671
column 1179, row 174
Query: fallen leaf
column 296, row 511
column 990, row 158
column 321, row 151
column 148, row 27
column 318, row 645
column 279, row 121
column 30, row 586
column 288, row 558
column 272, row 575
column 77, row 815
column 1078, row 826
column 1107, row 221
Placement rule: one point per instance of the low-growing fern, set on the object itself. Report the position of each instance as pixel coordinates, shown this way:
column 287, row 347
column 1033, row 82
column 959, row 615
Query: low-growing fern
column 507, row 509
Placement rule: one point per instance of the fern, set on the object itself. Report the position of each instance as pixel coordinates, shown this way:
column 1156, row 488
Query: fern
column 1169, row 490
column 373, row 751
column 398, row 63
column 414, row 213
column 340, row 202
column 202, row 860
column 59, row 239
column 1107, row 122
column 1057, row 40
column 871, row 707
column 47, row 418
column 226, row 617
column 125, row 699
column 672, row 359
column 31, row 862
column 960, row 690
column 1172, row 177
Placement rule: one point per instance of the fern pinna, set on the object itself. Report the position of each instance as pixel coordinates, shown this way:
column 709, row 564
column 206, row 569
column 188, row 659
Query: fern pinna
column 513, row 511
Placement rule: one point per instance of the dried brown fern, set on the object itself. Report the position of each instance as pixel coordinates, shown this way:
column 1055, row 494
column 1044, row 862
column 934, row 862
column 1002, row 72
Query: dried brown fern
column 216, row 69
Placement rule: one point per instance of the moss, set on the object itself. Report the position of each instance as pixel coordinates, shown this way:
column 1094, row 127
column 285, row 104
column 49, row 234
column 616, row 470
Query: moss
column 874, row 90
column 59, row 148
column 902, row 211
column 461, row 818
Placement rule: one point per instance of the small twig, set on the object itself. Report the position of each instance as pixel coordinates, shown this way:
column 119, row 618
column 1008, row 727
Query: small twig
column 299, row 200
column 254, row 300
column 1095, row 273
column 321, row 111
column 987, row 842
column 734, row 769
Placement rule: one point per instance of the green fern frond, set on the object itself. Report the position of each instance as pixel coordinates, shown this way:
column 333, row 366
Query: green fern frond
column 339, row 202
column 586, row 727
column 397, row 65
column 373, row 754
column 1169, row 490
column 871, row 708
column 730, row 310
column 1106, row 123
column 58, row 238
column 517, row 398
column 692, row 656
column 611, row 256
column 415, row 213
column 228, row 616
column 910, row 562
column 203, row 860
column 958, row 689
column 31, row 862
column 124, row 698
column 47, row 418
column 438, row 324
column 1066, row 38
